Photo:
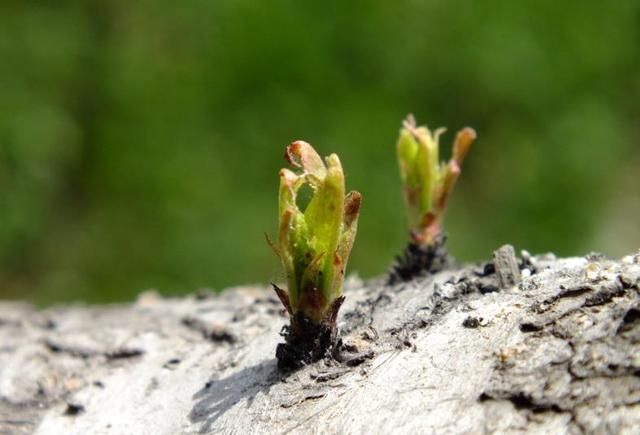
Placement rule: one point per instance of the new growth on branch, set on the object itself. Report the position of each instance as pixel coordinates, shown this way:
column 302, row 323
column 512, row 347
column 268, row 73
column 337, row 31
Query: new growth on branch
column 427, row 183
column 313, row 246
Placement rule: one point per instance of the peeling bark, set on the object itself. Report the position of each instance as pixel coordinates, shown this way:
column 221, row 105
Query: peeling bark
column 453, row 352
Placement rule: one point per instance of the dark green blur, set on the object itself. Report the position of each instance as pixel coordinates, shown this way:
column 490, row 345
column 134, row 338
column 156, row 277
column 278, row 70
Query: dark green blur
column 140, row 142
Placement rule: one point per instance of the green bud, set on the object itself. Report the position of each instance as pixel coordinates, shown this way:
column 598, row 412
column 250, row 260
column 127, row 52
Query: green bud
column 427, row 183
column 314, row 244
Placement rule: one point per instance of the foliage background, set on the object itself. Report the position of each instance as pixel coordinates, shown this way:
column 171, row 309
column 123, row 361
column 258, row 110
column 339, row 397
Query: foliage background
column 140, row 141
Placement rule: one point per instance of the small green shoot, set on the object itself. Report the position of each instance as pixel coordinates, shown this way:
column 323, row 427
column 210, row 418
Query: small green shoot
column 313, row 246
column 427, row 183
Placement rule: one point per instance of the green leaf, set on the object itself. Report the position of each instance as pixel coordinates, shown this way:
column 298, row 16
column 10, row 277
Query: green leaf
column 324, row 218
column 407, row 149
column 349, row 230
column 302, row 155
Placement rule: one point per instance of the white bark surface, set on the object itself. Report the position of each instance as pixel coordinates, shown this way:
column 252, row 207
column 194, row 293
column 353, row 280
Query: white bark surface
column 558, row 353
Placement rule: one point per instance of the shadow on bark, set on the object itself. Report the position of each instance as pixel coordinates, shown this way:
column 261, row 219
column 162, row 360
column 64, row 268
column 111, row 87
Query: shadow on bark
column 219, row 395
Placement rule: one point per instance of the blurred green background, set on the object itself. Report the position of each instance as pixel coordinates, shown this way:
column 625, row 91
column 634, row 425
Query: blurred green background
column 140, row 141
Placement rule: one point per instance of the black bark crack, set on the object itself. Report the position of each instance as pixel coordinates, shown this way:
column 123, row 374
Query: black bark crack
column 420, row 260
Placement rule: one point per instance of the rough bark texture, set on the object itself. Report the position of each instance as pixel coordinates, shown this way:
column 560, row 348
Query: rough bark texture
column 451, row 353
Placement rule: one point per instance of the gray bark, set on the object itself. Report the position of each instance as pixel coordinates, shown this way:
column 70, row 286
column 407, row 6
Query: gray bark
column 451, row 353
